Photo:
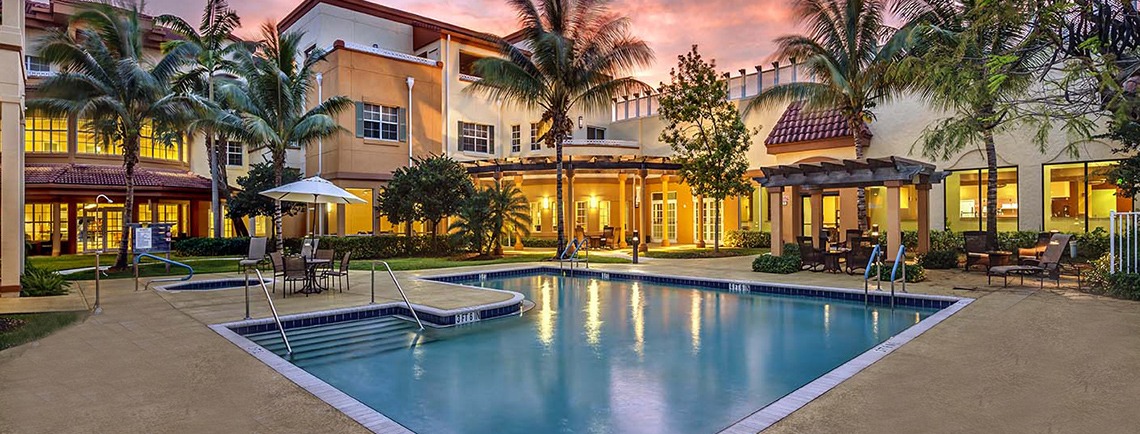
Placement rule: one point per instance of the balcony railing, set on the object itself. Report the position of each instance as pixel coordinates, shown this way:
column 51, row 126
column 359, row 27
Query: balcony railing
column 608, row 143
column 469, row 77
column 40, row 74
column 389, row 53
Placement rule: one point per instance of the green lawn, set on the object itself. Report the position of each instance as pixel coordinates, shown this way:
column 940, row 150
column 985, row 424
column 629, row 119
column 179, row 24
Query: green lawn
column 696, row 253
column 399, row 264
column 23, row 328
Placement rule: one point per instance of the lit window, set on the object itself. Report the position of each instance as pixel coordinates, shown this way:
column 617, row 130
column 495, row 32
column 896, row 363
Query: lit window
column 381, row 122
column 1080, row 196
column 476, row 138
column 966, row 204
column 536, row 216
column 235, row 154
column 157, row 147
column 580, row 215
column 595, row 133
column 516, row 138
column 44, row 133
column 603, row 213
column 167, row 213
column 37, row 221
column 534, row 134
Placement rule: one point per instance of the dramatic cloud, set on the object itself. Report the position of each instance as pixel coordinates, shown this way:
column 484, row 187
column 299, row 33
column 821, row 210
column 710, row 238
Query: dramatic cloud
column 737, row 33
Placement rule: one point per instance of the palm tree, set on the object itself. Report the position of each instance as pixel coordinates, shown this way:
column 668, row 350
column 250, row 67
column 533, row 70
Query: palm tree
column 578, row 55
column 211, row 53
column 849, row 50
column 105, row 77
column 270, row 105
column 473, row 221
column 510, row 212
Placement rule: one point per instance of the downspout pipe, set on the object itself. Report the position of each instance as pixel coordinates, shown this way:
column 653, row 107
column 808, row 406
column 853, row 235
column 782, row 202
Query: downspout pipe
column 408, row 121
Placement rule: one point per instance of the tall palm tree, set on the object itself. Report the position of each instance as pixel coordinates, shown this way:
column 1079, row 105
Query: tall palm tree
column 578, row 55
column 270, row 105
column 106, row 77
column 211, row 53
column 849, row 49
column 510, row 213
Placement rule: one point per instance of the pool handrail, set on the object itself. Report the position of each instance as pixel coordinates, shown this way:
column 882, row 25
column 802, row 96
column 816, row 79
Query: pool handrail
column 272, row 308
column 573, row 258
column 398, row 288
column 867, row 272
column 139, row 256
column 894, row 271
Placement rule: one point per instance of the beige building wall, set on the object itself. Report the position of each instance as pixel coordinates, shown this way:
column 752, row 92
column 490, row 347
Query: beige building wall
column 11, row 148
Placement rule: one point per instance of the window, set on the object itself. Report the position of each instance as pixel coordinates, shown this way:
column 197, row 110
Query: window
column 516, row 138
column 234, row 154
column 87, row 143
column 595, row 133
column 581, row 216
column 966, row 199
column 381, row 122
column 467, row 64
column 536, row 216
column 476, row 138
column 37, row 221
column 227, row 225
column 1080, row 196
column 45, row 134
column 34, row 65
column 603, row 213
column 159, row 147
column 169, row 213
column 534, row 134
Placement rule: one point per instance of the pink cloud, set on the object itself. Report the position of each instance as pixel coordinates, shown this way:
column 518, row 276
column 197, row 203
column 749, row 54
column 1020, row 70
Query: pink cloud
column 737, row 33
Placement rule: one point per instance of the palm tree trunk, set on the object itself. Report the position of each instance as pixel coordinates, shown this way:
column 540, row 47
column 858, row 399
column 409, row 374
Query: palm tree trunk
column 278, row 171
column 716, row 226
column 130, row 158
column 857, row 126
column 223, row 181
column 558, row 189
column 991, row 189
column 211, row 148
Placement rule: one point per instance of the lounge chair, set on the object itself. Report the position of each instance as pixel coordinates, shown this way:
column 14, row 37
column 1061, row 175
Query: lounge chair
column 976, row 250
column 256, row 254
column 1034, row 253
column 1048, row 267
column 811, row 257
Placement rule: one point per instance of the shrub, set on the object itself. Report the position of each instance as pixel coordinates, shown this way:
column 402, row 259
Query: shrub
column 362, row 247
column 748, row 239
column 1011, row 241
column 41, row 282
column 947, row 240
column 212, row 246
column 1119, row 285
column 914, row 272
column 1091, row 245
column 939, row 260
column 540, row 242
column 787, row 263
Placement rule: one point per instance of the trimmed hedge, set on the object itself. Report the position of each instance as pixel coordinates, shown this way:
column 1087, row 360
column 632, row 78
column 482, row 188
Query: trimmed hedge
column 362, row 247
column 939, row 260
column 787, row 263
column 748, row 239
column 212, row 246
column 914, row 272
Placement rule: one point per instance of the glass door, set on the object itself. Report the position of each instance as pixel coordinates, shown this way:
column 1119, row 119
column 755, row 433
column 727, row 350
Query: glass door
column 657, row 214
column 99, row 227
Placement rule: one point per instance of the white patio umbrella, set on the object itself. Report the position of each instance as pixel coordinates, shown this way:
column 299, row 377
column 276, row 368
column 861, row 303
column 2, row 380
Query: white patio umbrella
column 312, row 190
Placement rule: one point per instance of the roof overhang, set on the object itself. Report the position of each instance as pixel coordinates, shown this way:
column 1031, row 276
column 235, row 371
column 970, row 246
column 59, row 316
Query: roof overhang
column 544, row 164
column 869, row 172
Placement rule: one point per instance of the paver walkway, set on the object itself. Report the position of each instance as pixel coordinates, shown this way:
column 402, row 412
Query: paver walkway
column 1016, row 360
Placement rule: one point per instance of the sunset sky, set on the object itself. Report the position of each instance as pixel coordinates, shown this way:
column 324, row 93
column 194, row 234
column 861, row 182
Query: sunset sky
column 737, row 33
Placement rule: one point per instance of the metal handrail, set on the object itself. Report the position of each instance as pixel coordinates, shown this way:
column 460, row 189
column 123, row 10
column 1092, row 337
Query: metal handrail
column 577, row 245
column 159, row 259
column 894, row 272
column 398, row 288
column 867, row 272
column 277, row 319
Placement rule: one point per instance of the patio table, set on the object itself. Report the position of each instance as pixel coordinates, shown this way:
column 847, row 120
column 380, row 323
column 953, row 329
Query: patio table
column 312, row 285
column 831, row 259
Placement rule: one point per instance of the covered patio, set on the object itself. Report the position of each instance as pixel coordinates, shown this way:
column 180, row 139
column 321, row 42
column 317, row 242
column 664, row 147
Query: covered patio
column 791, row 181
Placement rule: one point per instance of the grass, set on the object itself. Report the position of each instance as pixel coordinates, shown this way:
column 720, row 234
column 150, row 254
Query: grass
column 19, row 329
column 404, row 264
column 696, row 253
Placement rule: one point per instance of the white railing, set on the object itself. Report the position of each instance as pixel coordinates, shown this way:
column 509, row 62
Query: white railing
column 389, row 53
column 602, row 142
column 469, row 77
column 40, row 74
column 1124, row 242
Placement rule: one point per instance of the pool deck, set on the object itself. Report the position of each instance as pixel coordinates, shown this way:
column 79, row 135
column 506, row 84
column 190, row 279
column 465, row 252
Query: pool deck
column 1016, row 360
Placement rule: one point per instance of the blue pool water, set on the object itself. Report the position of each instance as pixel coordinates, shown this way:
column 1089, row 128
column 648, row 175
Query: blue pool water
column 595, row 356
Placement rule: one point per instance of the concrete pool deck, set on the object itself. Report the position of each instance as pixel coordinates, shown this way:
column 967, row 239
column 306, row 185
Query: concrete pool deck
column 1016, row 360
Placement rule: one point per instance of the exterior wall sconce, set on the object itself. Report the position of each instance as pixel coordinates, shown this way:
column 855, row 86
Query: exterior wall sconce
column 546, row 202
column 579, row 122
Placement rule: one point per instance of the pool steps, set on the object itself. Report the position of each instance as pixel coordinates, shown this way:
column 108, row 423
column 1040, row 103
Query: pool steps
column 340, row 341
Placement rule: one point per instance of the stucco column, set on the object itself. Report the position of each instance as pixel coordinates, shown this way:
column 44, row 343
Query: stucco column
column 816, row 216
column 665, row 211
column 340, row 219
column 519, row 231
column 894, row 220
column 923, row 217
column 12, row 196
column 644, row 226
column 701, row 221
column 623, row 209
column 56, row 236
column 795, row 224
column 776, row 205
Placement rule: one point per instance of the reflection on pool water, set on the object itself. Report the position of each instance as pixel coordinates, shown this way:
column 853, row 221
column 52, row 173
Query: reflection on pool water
column 608, row 356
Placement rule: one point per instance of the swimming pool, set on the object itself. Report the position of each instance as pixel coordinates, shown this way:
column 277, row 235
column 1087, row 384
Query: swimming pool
column 603, row 352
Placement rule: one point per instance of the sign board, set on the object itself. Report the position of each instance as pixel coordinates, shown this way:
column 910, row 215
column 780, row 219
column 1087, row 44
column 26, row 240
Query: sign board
column 150, row 237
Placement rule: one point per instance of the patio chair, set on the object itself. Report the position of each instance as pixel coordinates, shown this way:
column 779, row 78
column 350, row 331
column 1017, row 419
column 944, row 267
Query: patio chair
column 607, row 235
column 341, row 271
column 328, row 254
column 852, row 235
column 1047, row 267
column 256, row 254
column 308, row 246
column 294, row 272
column 278, row 263
column 860, row 254
column 1034, row 253
column 976, row 250
column 811, row 257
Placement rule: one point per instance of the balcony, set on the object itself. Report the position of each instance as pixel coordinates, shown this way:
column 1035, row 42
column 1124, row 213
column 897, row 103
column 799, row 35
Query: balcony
column 387, row 53
column 603, row 143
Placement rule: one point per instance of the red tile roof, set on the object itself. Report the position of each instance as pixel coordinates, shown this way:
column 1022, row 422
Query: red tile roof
column 801, row 125
column 107, row 175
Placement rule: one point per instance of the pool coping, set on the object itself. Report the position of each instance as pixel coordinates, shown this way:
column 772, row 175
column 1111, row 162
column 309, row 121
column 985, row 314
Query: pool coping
column 165, row 288
column 757, row 421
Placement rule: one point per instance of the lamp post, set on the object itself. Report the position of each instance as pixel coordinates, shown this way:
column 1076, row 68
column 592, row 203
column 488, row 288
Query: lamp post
column 636, row 241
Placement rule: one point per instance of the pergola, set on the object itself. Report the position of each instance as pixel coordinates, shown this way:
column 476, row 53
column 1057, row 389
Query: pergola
column 813, row 178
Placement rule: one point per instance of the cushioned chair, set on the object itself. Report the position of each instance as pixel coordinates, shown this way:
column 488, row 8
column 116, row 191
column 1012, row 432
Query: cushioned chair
column 1034, row 253
column 976, row 250
column 1047, row 267
column 852, row 235
column 812, row 257
column 860, row 254
column 607, row 237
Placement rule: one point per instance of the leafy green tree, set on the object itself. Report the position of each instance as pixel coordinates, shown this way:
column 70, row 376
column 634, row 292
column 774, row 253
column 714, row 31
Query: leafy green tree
column 510, row 211
column 210, row 52
column 578, row 55
column 442, row 184
column 398, row 200
column 975, row 63
column 706, row 132
column 105, row 76
column 270, row 105
column 849, row 49
column 249, row 202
